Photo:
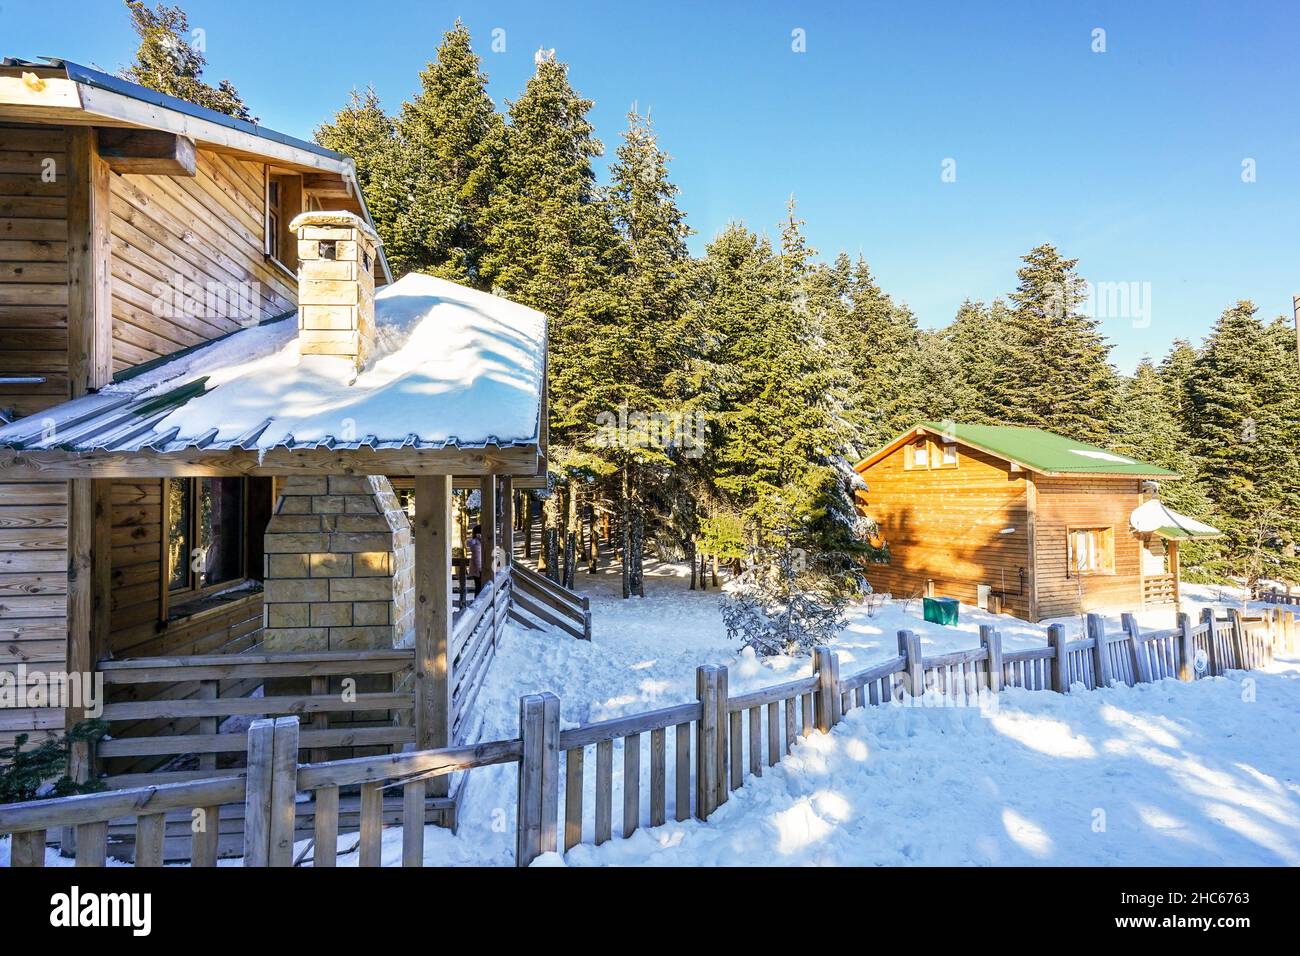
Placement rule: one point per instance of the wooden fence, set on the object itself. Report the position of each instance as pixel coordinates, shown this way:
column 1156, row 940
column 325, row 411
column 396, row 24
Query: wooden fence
column 550, row 603
column 717, row 740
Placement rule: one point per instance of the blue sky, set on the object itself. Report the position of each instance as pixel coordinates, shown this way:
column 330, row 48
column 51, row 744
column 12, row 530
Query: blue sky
column 1128, row 159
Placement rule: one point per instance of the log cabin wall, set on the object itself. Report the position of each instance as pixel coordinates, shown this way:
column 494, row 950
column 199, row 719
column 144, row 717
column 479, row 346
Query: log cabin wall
column 33, row 344
column 208, row 231
column 205, row 232
column 1081, row 502
column 946, row 525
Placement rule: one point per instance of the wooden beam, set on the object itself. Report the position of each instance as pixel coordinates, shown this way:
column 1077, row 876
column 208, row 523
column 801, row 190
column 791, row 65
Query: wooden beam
column 90, row 284
column 101, row 556
column 326, row 186
column 432, row 532
column 80, row 607
column 507, row 519
column 146, row 152
column 54, row 464
column 487, row 517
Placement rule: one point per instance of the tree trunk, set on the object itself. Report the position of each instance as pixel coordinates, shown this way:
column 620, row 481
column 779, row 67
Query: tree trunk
column 625, row 507
column 690, row 556
column 638, row 538
column 715, row 570
column 593, row 555
column 570, row 538
column 528, row 525
column 551, row 536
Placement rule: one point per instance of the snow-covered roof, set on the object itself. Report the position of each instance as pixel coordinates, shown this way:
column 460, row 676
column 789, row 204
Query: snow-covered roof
column 452, row 366
column 1155, row 517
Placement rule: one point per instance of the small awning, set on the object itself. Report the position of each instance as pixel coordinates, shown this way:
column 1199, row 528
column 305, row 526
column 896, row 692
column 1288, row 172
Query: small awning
column 1154, row 517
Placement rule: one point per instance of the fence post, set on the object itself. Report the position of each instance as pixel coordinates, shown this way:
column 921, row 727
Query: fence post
column 825, row 666
column 1100, row 653
column 909, row 646
column 991, row 639
column 1212, row 643
column 1141, row 663
column 1060, row 661
column 539, row 777
column 1187, row 648
column 257, row 794
column 284, row 791
column 706, row 741
column 1238, row 638
column 725, row 757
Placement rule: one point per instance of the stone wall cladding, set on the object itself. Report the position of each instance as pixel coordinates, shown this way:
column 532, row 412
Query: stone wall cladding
column 340, row 566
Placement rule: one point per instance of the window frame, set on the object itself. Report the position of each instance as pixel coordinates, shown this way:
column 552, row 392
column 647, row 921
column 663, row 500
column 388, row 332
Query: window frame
column 1105, row 549
column 180, row 596
column 278, row 245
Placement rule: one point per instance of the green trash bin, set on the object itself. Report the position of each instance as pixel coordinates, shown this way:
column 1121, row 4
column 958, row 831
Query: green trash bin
column 941, row 610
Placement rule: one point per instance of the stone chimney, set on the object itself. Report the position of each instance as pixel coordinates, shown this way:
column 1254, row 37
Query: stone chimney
column 336, row 285
column 340, row 566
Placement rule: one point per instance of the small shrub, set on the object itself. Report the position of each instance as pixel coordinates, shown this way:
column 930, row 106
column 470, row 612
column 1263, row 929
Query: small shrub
column 24, row 773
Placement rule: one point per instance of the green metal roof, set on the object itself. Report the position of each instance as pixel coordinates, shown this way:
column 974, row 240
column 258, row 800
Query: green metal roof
column 1046, row 452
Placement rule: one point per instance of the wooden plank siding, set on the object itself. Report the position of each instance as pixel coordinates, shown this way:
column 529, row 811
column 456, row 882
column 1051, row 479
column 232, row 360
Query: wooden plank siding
column 1083, row 502
column 204, row 232
column 34, row 337
column 33, row 266
column 947, row 524
column 207, row 231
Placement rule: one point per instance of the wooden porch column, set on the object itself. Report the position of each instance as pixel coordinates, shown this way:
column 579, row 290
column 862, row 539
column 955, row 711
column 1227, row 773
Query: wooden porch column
column 1172, row 547
column 433, row 618
column 90, row 283
column 507, row 520
column 90, row 367
column 488, row 519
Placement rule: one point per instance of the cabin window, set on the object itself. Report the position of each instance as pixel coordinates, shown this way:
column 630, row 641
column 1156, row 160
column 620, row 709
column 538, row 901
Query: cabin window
column 205, row 534
column 949, row 456
column 1092, row 551
column 273, row 220
column 918, row 454
column 283, row 202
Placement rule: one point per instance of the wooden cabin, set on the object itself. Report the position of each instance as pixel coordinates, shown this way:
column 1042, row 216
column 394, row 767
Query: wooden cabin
column 1022, row 521
column 209, row 388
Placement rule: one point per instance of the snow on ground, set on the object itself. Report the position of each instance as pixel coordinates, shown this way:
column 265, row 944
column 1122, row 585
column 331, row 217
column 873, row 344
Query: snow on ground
column 1184, row 773
column 644, row 653
column 1165, row 774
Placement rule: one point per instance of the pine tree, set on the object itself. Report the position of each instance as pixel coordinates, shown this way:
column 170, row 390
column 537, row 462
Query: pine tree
column 1246, row 425
column 452, row 137
column 395, row 194
column 875, row 342
column 1057, row 375
column 978, row 343
column 548, row 234
column 167, row 62
column 779, row 457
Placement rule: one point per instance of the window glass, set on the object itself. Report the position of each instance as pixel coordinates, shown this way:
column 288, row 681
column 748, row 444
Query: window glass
column 950, row 454
column 1092, row 550
column 178, row 534
column 205, row 532
column 920, row 454
column 221, row 530
column 273, row 214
